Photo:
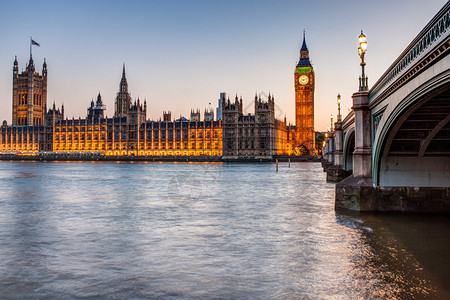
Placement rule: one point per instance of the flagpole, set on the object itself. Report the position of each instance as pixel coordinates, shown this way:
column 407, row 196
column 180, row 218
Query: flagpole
column 30, row 46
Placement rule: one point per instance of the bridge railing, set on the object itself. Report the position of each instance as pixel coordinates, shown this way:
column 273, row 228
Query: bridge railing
column 432, row 36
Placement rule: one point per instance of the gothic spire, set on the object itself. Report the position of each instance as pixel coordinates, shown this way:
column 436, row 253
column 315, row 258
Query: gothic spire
column 304, row 54
column 16, row 66
column 304, row 47
column 123, row 81
column 30, row 63
column 99, row 101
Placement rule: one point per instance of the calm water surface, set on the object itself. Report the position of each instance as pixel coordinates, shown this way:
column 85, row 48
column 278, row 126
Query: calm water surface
column 205, row 230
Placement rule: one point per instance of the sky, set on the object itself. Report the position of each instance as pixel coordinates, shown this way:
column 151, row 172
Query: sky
column 180, row 55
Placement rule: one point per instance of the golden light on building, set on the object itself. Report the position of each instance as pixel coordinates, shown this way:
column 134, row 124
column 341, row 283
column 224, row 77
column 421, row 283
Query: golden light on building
column 130, row 133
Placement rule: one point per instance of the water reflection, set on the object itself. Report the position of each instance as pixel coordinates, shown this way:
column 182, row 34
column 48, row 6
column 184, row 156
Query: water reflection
column 409, row 253
column 204, row 230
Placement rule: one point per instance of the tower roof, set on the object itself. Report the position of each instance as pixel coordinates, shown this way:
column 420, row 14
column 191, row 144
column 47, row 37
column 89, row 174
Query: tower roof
column 123, row 81
column 304, row 62
column 30, row 63
column 304, row 47
column 304, row 54
column 99, row 100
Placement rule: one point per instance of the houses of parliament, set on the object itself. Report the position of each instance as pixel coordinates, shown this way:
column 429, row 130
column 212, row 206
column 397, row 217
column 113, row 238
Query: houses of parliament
column 37, row 128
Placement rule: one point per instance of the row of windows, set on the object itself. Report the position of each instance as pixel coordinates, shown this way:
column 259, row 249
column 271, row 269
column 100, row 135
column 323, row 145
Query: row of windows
column 246, row 145
column 78, row 129
column 23, row 99
column 118, row 123
column 20, row 138
column 19, row 147
column 23, row 121
column 134, row 135
column 164, row 153
column 119, row 146
column 81, row 137
column 248, row 132
column 170, row 133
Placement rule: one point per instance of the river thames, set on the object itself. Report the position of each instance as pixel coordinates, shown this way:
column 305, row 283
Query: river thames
column 205, row 230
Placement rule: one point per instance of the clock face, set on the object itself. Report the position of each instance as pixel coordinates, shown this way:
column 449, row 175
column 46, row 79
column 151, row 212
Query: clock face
column 303, row 79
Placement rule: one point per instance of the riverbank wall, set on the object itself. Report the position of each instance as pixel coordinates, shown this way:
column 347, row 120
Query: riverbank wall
column 94, row 157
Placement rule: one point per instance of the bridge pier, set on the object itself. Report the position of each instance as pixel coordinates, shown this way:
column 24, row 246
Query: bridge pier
column 356, row 192
column 362, row 156
column 328, row 156
column 336, row 172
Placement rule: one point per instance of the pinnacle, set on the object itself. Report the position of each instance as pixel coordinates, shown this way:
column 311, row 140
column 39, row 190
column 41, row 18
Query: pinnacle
column 304, row 47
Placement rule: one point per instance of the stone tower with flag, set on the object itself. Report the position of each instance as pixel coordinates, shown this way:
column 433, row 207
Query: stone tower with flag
column 29, row 93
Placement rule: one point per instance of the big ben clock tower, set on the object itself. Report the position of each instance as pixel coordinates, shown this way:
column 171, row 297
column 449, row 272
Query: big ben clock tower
column 304, row 101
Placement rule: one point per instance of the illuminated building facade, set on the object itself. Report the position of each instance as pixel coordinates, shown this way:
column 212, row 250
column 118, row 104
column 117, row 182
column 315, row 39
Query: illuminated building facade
column 128, row 133
column 118, row 136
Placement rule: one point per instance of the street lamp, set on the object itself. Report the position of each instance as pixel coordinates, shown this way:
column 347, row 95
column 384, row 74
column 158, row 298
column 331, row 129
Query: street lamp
column 363, row 86
column 331, row 128
column 339, row 117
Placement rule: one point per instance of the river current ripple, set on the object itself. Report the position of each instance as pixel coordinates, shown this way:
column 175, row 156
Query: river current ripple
column 205, row 230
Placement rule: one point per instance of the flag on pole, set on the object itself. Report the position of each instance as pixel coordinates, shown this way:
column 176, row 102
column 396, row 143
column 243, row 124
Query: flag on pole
column 35, row 43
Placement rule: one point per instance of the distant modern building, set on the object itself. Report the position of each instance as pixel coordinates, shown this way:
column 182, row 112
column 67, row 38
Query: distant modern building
column 222, row 97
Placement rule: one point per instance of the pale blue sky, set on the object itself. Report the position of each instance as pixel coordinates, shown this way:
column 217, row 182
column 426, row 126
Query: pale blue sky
column 181, row 54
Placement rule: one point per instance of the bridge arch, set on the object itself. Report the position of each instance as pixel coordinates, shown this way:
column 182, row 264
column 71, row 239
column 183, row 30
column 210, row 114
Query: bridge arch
column 349, row 147
column 412, row 145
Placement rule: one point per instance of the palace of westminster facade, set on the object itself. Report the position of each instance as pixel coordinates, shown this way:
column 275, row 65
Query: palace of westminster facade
column 36, row 129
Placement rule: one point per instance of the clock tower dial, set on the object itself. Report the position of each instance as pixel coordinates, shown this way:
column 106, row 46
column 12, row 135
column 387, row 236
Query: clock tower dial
column 304, row 100
column 303, row 79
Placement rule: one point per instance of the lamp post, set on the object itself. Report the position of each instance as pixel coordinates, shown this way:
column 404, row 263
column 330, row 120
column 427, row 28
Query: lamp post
column 339, row 117
column 363, row 86
column 331, row 127
column 338, row 142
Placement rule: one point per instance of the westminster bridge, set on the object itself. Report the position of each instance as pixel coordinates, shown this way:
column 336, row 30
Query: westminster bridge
column 392, row 151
